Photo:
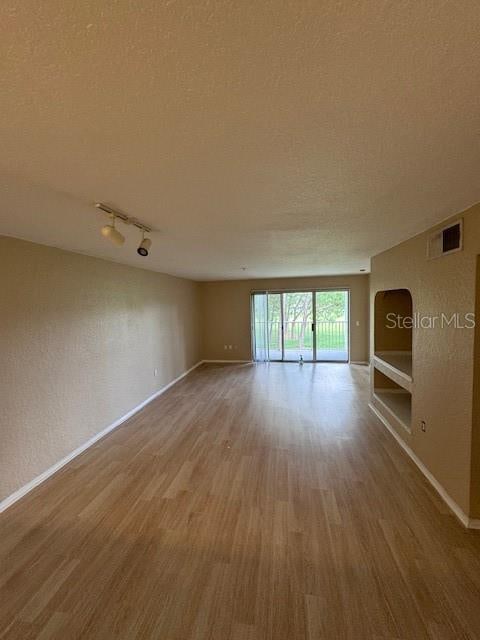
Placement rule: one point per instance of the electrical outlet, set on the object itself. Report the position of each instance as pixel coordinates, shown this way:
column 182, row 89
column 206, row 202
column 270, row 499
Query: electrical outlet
column 423, row 425
column 155, row 372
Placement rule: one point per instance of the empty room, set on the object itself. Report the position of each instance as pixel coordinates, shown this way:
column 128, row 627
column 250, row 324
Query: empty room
column 239, row 283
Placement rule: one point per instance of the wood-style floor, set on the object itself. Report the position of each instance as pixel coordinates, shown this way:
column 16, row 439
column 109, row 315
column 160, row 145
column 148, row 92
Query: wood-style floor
column 247, row 503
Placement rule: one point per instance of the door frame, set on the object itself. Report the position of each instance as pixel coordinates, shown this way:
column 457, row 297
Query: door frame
column 313, row 291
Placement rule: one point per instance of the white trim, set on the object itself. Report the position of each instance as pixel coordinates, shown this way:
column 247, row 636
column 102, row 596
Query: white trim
column 213, row 361
column 304, row 289
column 390, row 411
column 402, row 378
column 470, row 523
column 14, row 497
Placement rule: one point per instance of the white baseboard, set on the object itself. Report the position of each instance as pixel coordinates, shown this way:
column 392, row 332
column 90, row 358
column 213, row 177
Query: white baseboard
column 227, row 361
column 14, row 497
column 468, row 522
column 286, row 361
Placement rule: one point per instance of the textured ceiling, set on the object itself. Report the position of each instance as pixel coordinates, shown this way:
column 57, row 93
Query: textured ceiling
column 287, row 137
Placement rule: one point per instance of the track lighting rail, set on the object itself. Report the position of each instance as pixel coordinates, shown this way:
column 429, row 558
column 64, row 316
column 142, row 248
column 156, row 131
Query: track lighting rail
column 123, row 217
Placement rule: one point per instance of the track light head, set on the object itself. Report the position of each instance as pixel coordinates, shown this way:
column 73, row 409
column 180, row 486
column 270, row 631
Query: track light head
column 144, row 247
column 109, row 231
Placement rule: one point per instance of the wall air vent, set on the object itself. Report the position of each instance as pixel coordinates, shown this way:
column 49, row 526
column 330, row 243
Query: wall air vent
column 446, row 240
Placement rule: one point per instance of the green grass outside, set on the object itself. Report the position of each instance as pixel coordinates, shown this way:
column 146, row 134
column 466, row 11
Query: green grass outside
column 326, row 339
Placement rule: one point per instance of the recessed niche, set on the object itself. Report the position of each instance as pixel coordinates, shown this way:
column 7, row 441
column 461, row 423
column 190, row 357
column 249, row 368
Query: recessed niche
column 393, row 321
column 392, row 376
column 393, row 398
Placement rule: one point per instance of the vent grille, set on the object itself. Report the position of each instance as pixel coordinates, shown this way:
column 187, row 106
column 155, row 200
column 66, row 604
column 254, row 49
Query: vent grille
column 447, row 240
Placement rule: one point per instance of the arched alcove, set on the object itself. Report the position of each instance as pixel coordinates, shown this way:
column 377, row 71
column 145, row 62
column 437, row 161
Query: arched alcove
column 393, row 320
column 392, row 380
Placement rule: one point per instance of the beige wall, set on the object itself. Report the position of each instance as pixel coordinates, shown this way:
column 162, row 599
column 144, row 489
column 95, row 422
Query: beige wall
column 79, row 341
column 226, row 313
column 442, row 358
column 475, row 455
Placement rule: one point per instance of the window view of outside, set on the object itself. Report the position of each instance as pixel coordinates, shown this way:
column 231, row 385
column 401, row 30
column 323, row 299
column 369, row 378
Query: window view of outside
column 298, row 314
column 332, row 325
column 259, row 310
column 297, row 325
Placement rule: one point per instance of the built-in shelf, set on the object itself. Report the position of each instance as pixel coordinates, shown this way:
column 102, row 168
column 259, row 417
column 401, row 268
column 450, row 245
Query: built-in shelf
column 396, row 365
column 391, row 371
column 398, row 403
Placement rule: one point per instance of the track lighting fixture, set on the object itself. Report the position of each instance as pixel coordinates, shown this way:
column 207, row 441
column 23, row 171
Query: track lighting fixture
column 145, row 245
column 109, row 231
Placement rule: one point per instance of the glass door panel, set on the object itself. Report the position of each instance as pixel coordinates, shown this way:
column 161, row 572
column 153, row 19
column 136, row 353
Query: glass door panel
column 297, row 325
column 331, row 325
column 274, row 326
column 259, row 327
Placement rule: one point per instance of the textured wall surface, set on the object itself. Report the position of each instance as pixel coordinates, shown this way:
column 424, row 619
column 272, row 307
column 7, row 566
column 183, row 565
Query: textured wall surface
column 475, row 471
column 226, row 313
column 79, row 341
column 442, row 357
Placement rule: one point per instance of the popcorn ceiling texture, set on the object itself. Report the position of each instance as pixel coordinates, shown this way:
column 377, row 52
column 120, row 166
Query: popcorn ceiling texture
column 293, row 138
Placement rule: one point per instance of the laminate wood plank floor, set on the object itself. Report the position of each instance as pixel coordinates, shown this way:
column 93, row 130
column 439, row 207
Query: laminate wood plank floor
column 249, row 502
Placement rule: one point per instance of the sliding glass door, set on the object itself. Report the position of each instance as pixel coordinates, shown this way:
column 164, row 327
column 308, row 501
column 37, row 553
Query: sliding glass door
column 291, row 326
column 275, row 331
column 331, row 326
column 259, row 327
column 298, row 328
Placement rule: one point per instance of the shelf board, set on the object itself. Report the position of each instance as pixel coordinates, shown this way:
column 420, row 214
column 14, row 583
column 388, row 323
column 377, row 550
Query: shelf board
column 398, row 402
column 396, row 365
column 400, row 360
